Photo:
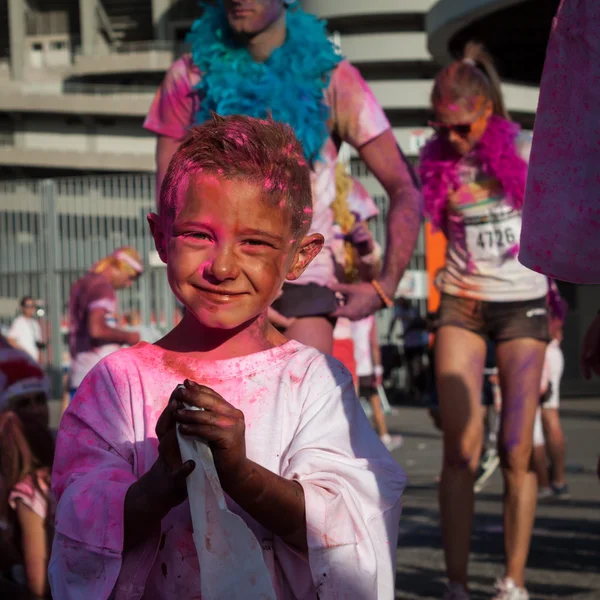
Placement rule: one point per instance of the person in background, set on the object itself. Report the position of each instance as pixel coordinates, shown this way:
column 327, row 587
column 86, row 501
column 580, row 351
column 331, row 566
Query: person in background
column 93, row 333
column 25, row 331
column 148, row 333
column 369, row 370
column 261, row 57
column 26, row 456
column 415, row 344
column 548, row 436
column 473, row 172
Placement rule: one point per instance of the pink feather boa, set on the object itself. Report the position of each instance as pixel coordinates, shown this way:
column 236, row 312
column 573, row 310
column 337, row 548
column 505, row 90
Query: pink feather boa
column 498, row 156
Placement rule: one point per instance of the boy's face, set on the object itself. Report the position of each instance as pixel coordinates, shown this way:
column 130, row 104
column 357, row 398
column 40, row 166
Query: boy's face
column 229, row 250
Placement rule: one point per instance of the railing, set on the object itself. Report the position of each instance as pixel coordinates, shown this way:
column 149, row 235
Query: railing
column 7, row 138
column 101, row 89
column 67, row 87
column 176, row 48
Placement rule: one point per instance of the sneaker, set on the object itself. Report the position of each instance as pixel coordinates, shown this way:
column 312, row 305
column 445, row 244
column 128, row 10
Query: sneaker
column 456, row 591
column 391, row 442
column 545, row 493
column 507, row 589
column 561, row 492
column 489, row 463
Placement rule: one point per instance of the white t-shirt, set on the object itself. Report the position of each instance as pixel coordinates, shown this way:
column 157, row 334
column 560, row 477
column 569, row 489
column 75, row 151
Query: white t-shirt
column 483, row 240
column 26, row 332
column 303, row 422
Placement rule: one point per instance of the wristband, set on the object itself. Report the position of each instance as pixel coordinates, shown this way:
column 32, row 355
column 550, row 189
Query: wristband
column 384, row 297
column 378, row 370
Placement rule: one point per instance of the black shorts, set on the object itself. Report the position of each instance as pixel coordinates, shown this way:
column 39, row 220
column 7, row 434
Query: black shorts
column 496, row 321
column 310, row 300
column 366, row 386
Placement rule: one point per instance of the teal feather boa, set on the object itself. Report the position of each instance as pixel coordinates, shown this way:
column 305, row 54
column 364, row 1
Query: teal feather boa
column 289, row 84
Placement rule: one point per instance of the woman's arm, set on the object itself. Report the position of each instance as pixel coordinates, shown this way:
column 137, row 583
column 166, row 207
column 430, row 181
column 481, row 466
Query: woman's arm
column 35, row 549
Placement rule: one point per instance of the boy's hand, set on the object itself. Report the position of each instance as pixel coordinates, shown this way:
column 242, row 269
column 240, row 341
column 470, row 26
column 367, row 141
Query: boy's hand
column 220, row 424
column 169, row 473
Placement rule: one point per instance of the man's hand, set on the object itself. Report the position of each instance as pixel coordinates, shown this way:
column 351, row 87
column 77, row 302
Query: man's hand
column 362, row 300
column 590, row 350
column 220, row 424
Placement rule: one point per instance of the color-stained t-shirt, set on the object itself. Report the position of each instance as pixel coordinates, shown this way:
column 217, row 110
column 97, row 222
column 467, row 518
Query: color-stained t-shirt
column 483, row 240
column 303, row 422
column 561, row 213
column 355, row 117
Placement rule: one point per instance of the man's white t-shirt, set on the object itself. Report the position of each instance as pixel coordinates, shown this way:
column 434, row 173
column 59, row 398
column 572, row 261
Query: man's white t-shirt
column 26, row 332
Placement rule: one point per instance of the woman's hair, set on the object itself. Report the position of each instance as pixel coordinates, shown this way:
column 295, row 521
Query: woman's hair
column 472, row 75
column 123, row 259
column 26, row 447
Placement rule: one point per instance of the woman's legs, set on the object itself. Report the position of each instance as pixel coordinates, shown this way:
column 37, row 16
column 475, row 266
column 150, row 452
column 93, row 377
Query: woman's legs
column 312, row 331
column 520, row 364
column 555, row 444
column 459, row 362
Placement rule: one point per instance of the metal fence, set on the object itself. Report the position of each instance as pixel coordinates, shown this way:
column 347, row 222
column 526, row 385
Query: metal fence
column 53, row 230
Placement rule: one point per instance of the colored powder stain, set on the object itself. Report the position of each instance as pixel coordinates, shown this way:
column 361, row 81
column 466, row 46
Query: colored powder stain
column 308, row 210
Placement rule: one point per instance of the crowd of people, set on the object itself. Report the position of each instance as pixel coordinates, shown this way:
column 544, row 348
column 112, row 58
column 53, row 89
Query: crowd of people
column 252, row 403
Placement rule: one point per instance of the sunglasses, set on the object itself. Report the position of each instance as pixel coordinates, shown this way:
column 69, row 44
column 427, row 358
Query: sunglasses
column 29, row 306
column 443, row 130
column 461, row 129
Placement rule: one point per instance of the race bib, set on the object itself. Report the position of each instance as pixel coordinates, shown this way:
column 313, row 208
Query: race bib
column 492, row 239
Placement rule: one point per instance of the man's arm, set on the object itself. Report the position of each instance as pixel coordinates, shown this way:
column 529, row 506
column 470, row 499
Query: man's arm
column 100, row 331
column 383, row 158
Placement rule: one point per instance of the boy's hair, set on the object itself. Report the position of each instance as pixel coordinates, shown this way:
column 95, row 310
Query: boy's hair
column 260, row 151
column 472, row 75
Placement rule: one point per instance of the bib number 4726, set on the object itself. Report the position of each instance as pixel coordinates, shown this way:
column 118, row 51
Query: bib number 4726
column 496, row 238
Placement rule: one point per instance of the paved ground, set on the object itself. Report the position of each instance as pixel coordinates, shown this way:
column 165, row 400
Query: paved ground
column 565, row 555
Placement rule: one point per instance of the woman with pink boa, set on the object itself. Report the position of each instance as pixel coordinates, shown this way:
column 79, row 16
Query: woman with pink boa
column 473, row 173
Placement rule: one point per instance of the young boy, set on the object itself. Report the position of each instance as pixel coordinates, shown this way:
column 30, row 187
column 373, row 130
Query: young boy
column 293, row 450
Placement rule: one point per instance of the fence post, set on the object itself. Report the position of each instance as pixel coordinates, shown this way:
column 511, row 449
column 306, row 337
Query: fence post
column 53, row 288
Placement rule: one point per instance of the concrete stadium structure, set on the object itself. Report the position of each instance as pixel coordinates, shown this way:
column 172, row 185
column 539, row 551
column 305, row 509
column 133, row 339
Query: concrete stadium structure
column 78, row 76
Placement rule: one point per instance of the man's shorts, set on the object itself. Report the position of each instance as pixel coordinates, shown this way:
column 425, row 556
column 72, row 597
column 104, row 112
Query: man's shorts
column 497, row 321
column 310, row 300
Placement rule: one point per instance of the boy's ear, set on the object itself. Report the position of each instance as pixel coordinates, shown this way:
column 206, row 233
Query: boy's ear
column 308, row 248
column 160, row 238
